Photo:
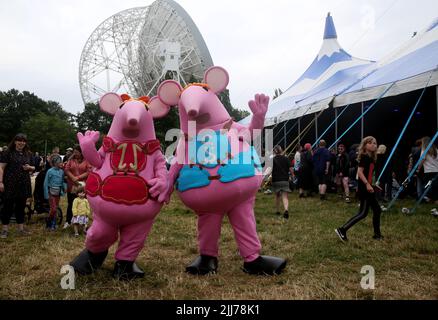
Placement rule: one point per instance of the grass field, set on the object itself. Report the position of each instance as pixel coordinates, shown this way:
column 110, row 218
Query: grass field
column 320, row 266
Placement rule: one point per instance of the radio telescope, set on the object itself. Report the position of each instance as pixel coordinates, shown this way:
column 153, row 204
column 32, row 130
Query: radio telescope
column 135, row 49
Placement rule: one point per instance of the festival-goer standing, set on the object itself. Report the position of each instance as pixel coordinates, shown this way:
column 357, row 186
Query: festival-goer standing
column 16, row 164
column 54, row 188
column 321, row 161
column 419, row 174
column 342, row 170
column 366, row 192
column 76, row 171
column 297, row 164
column 305, row 175
column 55, row 152
column 430, row 166
column 281, row 171
column 68, row 155
column 37, row 160
column 81, row 212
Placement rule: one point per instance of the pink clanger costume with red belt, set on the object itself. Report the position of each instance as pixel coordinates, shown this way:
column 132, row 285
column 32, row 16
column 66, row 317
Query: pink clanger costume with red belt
column 216, row 171
column 127, row 186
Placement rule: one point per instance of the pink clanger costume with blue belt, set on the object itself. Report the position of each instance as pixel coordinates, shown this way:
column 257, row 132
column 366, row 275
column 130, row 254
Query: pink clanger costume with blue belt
column 127, row 186
column 216, row 171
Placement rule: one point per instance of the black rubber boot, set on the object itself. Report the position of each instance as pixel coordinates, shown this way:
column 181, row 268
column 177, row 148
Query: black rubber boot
column 127, row 270
column 203, row 265
column 87, row 262
column 265, row 265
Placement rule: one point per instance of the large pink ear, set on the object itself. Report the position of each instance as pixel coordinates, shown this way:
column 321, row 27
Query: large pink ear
column 169, row 92
column 110, row 103
column 217, row 79
column 157, row 108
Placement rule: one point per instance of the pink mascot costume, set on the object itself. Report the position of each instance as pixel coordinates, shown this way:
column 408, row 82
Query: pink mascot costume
column 128, row 184
column 219, row 180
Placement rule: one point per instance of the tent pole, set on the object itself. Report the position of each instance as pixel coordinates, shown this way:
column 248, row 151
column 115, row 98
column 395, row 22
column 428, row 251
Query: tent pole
column 362, row 123
column 316, row 127
column 336, row 124
column 436, row 89
column 299, row 130
column 285, row 138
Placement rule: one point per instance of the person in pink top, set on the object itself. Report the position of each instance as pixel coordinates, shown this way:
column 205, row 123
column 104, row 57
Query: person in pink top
column 76, row 171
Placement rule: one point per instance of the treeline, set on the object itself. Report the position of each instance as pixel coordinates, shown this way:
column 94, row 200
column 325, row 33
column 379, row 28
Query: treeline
column 48, row 125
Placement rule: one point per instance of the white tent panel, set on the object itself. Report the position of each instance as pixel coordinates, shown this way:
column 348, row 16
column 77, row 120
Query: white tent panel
column 400, row 87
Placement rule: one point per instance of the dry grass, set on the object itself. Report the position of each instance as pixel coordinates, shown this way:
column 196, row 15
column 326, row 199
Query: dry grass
column 320, row 266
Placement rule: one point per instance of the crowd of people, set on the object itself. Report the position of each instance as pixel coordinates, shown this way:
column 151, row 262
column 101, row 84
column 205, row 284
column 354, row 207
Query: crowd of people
column 363, row 170
column 59, row 176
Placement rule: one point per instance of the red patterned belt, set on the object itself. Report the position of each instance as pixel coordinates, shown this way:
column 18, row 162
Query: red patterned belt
column 120, row 189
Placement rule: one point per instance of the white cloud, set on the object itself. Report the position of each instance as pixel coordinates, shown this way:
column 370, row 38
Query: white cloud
column 264, row 45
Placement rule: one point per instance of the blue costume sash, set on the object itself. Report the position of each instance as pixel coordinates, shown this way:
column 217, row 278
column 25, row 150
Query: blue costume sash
column 211, row 150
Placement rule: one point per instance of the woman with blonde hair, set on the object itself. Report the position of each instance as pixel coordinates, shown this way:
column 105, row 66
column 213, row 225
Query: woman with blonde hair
column 367, row 159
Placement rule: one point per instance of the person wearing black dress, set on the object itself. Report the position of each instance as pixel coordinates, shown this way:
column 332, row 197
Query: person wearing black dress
column 305, row 172
column 16, row 164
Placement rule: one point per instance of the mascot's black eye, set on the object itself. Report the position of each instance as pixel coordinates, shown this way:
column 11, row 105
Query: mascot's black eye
column 205, row 88
column 121, row 106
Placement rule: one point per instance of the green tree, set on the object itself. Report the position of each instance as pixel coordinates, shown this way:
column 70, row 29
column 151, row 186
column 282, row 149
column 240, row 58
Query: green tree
column 171, row 121
column 55, row 109
column 92, row 118
column 16, row 108
column 237, row 114
column 48, row 131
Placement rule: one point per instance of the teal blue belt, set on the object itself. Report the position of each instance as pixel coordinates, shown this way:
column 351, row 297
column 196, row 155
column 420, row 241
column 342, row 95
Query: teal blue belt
column 244, row 165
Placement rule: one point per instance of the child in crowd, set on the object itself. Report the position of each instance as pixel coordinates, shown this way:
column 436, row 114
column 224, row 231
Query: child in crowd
column 81, row 211
column 54, row 188
column 366, row 192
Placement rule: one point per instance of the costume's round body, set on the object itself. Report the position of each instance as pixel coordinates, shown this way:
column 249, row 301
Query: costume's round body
column 119, row 196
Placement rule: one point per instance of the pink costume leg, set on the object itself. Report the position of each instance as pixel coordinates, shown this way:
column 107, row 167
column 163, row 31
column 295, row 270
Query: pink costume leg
column 132, row 239
column 209, row 231
column 101, row 235
column 243, row 221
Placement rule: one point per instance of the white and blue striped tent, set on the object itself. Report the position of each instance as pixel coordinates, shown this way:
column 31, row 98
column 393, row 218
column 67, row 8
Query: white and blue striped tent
column 335, row 77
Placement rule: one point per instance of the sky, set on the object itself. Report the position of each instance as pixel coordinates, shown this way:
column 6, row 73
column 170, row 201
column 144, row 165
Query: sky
column 264, row 45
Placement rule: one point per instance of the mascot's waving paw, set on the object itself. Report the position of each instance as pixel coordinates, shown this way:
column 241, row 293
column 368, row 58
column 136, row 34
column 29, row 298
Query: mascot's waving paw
column 89, row 137
column 259, row 106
